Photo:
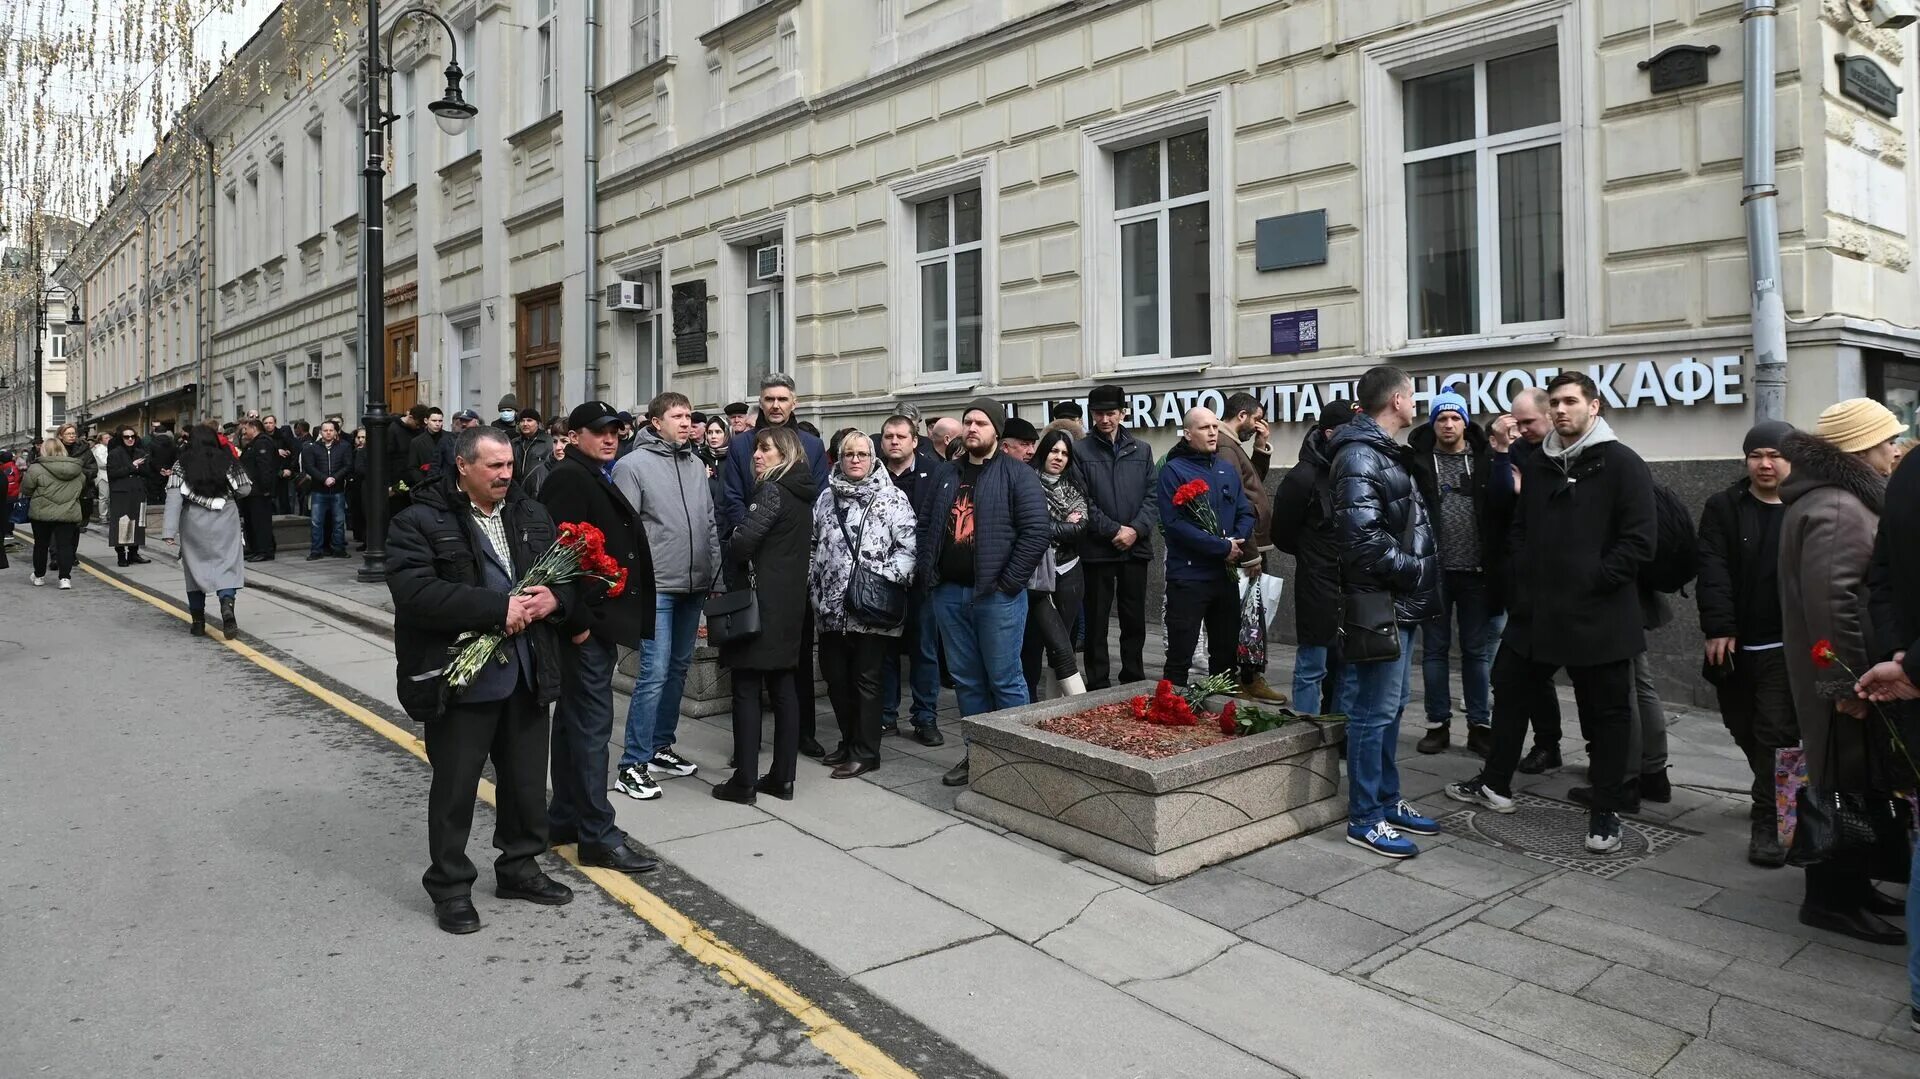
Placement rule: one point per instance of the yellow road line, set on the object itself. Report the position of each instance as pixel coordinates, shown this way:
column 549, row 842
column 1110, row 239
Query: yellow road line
column 853, row 1052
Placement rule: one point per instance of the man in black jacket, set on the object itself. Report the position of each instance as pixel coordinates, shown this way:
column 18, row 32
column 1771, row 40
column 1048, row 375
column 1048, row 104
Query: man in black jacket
column 400, row 434
column 580, row 490
column 1738, row 593
column 260, row 458
column 531, row 444
column 452, row 560
column 1583, row 526
column 918, row 473
column 423, row 453
column 1303, row 527
column 1515, row 438
column 287, row 462
column 327, row 463
column 1116, row 471
column 162, row 451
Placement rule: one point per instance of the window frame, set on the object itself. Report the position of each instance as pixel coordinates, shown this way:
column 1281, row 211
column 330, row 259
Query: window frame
column 645, row 337
column 401, row 149
column 469, row 140
column 1387, row 66
column 546, row 62
column 905, row 316
column 641, row 13
column 740, row 239
column 317, row 193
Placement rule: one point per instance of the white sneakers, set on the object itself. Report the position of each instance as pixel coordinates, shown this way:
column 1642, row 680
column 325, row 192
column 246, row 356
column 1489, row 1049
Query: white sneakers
column 65, row 584
column 1474, row 792
column 38, row 581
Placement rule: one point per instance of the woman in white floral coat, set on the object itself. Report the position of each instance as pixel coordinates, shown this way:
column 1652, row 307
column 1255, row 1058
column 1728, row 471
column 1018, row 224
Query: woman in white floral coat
column 861, row 505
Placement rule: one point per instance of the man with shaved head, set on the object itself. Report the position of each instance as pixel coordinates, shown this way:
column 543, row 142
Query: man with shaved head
column 1515, row 438
column 1204, row 549
column 945, row 434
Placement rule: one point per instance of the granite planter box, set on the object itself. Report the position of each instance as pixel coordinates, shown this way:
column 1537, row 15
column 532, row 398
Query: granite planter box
column 1154, row 820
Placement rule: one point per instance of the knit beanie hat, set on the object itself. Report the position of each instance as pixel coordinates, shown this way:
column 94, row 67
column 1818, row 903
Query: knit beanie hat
column 996, row 414
column 1765, row 435
column 1449, row 400
column 1860, row 423
column 508, row 403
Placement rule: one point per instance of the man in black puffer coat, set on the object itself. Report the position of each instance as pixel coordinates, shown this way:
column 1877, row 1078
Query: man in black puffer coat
column 1386, row 549
column 1303, row 527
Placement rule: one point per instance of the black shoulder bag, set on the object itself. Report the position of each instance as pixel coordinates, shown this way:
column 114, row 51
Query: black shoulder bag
column 734, row 617
column 871, row 600
column 1369, row 621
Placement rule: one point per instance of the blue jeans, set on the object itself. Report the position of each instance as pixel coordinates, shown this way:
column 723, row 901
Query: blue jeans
column 1373, row 735
column 582, row 724
column 920, row 647
column 653, row 715
column 329, row 528
column 982, row 636
column 1310, row 674
column 1463, row 595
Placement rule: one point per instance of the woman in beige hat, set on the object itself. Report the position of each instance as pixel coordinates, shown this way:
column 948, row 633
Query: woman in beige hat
column 1834, row 497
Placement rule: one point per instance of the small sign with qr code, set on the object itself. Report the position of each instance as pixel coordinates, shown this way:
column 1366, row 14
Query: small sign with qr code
column 1295, row 332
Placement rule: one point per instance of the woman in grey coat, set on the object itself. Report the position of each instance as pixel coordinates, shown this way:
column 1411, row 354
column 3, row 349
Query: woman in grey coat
column 203, row 518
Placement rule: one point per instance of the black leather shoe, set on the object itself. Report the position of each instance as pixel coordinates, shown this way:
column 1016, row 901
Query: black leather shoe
column 727, row 792
column 134, row 559
column 929, row 735
column 249, row 558
column 457, row 915
column 620, row 857
column 1656, row 787
column 811, row 747
column 1434, row 741
column 837, row 758
column 1479, row 741
column 1856, row 923
column 1879, row 902
column 854, row 769
column 782, row 791
column 1540, row 759
column 1584, row 796
column 889, row 730
column 956, row 776
column 538, row 888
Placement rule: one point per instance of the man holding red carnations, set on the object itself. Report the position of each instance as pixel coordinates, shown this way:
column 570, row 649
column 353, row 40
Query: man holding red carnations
column 1209, row 529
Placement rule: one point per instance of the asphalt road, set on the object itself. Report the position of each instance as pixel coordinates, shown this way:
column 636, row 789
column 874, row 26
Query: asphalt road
column 204, row 872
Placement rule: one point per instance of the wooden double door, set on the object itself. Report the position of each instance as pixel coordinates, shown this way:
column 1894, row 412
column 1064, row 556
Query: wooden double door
column 403, row 365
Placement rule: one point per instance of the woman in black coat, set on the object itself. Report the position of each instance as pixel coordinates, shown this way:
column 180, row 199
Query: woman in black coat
column 127, row 495
column 769, row 553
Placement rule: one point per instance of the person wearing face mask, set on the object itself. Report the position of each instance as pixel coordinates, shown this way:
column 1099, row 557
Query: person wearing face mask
column 509, row 415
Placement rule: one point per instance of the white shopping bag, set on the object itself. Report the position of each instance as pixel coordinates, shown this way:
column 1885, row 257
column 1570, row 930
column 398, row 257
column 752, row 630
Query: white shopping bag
column 1270, row 587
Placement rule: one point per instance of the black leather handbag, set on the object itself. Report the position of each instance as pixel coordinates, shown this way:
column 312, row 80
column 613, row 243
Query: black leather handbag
column 1860, row 827
column 733, row 617
column 872, row 600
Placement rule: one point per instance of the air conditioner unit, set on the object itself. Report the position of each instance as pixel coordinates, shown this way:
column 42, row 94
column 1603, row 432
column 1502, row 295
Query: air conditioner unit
column 1892, row 14
column 629, row 296
column 312, row 370
column 769, row 263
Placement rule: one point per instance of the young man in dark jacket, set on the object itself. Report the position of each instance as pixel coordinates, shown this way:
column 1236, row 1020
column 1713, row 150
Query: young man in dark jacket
column 423, row 453
column 1244, row 419
column 989, row 529
column 580, row 490
column 1386, row 549
column 1203, row 566
column 1116, row 471
column 1584, row 525
column 918, row 473
column 1303, row 528
column 260, row 458
column 1452, row 462
column 1515, row 438
column 400, row 434
column 327, row 463
column 452, row 560
column 1738, row 593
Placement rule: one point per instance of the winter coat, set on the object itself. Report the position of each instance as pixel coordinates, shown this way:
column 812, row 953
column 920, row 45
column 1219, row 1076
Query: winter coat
column 1726, row 591
column 1303, row 528
column 1010, row 526
column 434, row 575
column 1894, row 587
column 208, row 532
column 1193, row 553
column 1118, row 479
column 1826, row 546
column 162, row 451
column 126, row 482
column 667, row 486
column 399, row 448
column 740, row 482
column 423, row 457
column 920, row 481
column 54, row 484
column 528, row 452
column 1381, row 520
column 880, row 517
column 769, row 553
column 575, row 492
column 1492, row 503
column 319, row 462
column 1580, row 534
column 1253, row 480
column 262, row 463
column 98, row 491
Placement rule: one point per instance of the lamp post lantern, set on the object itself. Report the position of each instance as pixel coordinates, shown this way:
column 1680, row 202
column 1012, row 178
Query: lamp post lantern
column 452, row 112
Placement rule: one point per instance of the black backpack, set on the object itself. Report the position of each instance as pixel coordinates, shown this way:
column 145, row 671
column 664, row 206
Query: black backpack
column 1676, row 549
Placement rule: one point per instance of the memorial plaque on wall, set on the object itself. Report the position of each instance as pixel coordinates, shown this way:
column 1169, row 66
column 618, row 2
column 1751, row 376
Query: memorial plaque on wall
column 1679, row 68
column 1868, row 83
column 690, row 323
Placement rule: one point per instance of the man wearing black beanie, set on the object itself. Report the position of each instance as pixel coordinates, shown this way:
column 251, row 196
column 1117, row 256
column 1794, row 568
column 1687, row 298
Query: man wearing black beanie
column 1738, row 593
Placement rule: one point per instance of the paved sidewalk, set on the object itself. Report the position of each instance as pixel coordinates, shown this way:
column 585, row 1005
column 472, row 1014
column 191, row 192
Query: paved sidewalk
column 1309, row 958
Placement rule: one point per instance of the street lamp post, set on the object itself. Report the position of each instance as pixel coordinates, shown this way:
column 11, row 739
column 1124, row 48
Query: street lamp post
column 453, row 113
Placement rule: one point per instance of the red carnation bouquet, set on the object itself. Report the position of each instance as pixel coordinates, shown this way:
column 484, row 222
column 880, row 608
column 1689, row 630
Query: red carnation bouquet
column 579, row 551
column 1191, row 497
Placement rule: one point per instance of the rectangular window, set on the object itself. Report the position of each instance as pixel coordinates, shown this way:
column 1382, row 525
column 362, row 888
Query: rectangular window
column 251, row 255
column 1162, row 201
column 469, row 70
column 57, row 345
column 1481, row 154
column 546, row 42
column 644, row 32
column 766, row 316
column 276, row 209
column 947, row 262
column 57, row 405
column 403, row 130
column 650, row 332
column 316, row 182
column 230, row 237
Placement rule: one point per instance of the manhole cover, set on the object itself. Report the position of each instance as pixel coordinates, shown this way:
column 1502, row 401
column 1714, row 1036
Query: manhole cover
column 1555, row 832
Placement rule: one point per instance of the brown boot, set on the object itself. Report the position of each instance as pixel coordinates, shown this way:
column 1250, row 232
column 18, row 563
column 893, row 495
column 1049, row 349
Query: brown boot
column 1255, row 687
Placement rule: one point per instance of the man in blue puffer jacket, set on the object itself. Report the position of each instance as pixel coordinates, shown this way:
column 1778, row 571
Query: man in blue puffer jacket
column 1202, row 585
column 1386, row 546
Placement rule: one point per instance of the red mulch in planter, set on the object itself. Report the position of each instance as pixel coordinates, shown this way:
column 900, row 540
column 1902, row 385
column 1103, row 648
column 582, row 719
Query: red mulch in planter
column 1113, row 726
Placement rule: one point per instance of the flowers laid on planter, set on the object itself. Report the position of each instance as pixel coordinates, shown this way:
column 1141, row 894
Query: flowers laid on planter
column 1174, row 720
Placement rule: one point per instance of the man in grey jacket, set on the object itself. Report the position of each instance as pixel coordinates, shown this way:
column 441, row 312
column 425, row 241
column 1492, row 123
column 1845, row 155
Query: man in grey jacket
column 666, row 481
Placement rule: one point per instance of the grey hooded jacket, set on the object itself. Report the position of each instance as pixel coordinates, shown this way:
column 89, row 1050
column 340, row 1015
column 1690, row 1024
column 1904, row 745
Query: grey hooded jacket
column 667, row 486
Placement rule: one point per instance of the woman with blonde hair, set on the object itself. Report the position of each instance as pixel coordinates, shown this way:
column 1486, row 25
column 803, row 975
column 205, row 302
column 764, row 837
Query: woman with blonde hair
column 54, row 483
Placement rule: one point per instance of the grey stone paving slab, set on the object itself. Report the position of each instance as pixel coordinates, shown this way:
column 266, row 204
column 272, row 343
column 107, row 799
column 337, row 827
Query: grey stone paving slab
column 1124, row 936
column 1113, row 875
column 1808, row 1045
column 1461, row 869
column 1518, row 956
column 1594, row 898
column 1710, row 1060
column 686, row 807
column 1319, row 1024
column 1325, row 936
column 900, row 769
column 854, row 815
column 1652, row 952
column 827, row 901
column 931, row 793
column 992, row 878
column 1509, row 913
column 1030, row 1016
column 1862, row 972
column 1301, row 867
column 1785, row 918
column 1663, row 888
column 1447, row 982
column 1396, row 900
column 1720, row 857
column 1649, row 996
column 1224, row 897
column 1845, row 1008
column 1598, row 1032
